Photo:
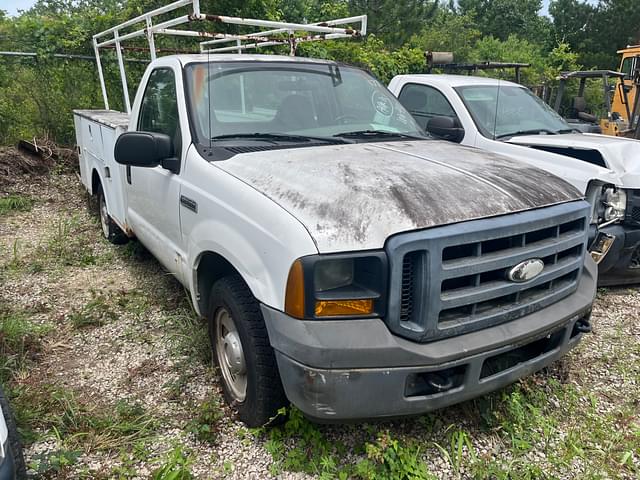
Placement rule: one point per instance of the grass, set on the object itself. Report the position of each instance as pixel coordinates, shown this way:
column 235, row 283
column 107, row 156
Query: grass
column 176, row 467
column 205, row 424
column 69, row 243
column 78, row 425
column 15, row 203
column 544, row 429
column 46, row 410
column 20, row 342
column 94, row 313
column 189, row 337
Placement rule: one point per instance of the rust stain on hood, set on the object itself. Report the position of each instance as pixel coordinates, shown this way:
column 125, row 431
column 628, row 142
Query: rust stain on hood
column 353, row 197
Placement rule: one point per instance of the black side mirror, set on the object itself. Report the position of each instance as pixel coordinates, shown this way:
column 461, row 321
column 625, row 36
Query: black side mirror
column 143, row 149
column 446, row 128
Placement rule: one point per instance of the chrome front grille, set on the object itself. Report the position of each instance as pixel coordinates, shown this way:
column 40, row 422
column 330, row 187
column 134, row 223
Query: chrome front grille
column 452, row 280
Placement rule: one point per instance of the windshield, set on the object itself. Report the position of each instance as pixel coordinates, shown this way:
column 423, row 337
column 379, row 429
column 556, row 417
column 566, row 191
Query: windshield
column 289, row 100
column 504, row 111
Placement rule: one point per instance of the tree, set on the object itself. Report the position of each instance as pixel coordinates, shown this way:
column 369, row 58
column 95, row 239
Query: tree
column 395, row 21
column 502, row 18
column 449, row 32
column 620, row 26
column 579, row 24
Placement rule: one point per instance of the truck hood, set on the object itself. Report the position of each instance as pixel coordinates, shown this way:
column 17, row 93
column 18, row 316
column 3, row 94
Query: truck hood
column 354, row 196
column 621, row 155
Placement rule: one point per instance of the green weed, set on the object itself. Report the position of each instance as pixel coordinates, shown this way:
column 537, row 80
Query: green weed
column 204, row 425
column 20, row 342
column 69, row 244
column 15, row 203
column 80, row 426
column 389, row 459
column 189, row 335
column 312, row 452
column 134, row 302
column 96, row 312
column 177, row 467
column 460, row 446
column 54, row 464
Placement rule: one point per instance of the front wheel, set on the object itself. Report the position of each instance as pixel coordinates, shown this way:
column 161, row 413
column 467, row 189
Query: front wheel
column 241, row 349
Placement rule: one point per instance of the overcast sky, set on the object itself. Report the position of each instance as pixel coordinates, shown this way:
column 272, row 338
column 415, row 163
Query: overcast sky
column 12, row 6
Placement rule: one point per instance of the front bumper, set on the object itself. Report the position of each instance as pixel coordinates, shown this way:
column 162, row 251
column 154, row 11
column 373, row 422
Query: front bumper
column 8, row 465
column 357, row 369
column 621, row 264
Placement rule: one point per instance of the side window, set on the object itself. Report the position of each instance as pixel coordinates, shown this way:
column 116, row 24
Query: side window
column 424, row 102
column 626, row 67
column 159, row 109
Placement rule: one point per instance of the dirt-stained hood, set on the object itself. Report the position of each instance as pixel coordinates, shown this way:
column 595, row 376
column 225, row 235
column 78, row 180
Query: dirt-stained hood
column 354, row 196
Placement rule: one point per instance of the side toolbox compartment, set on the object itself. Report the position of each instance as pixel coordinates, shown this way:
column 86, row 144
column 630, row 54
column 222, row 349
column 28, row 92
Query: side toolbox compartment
column 96, row 134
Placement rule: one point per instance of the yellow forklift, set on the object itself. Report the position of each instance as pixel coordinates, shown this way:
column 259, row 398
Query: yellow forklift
column 621, row 101
column 626, row 99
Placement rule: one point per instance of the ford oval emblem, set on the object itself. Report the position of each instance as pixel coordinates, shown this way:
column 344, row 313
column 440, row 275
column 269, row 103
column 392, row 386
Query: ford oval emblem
column 525, row 271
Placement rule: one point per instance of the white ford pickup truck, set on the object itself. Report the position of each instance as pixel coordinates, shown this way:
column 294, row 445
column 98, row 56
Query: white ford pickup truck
column 506, row 118
column 343, row 261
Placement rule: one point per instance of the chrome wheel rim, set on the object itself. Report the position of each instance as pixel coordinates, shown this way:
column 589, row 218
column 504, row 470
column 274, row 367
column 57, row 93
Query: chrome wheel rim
column 230, row 354
column 104, row 217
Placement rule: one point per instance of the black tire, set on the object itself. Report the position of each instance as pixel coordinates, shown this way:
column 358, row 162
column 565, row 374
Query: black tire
column 14, row 440
column 110, row 230
column 264, row 392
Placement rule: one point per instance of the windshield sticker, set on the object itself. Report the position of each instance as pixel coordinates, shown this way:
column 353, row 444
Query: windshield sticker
column 382, row 104
column 402, row 118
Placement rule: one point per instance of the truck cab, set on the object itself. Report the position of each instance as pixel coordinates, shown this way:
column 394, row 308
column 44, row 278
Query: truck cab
column 506, row 118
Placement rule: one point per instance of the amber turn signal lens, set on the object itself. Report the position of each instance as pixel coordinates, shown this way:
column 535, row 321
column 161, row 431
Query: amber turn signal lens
column 334, row 308
column 294, row 295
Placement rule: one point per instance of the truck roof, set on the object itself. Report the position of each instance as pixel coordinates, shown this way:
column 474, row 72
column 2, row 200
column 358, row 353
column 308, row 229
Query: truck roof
column 456, row 80
column 235, row 57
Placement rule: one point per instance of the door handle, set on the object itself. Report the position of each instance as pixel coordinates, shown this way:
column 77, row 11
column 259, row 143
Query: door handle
column 186, row 202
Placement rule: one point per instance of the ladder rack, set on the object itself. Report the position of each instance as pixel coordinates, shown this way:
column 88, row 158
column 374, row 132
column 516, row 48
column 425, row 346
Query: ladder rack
column 276, row 33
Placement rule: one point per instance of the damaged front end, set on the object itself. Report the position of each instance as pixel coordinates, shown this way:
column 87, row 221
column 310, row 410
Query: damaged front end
column 618, row 243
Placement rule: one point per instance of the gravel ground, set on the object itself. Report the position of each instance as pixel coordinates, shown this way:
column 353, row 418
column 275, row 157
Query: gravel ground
column 120, row 329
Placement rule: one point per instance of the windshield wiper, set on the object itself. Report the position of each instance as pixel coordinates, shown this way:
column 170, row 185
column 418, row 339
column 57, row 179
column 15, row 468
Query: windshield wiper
column 535, row 131
column 568, row 130
column 277, row 137
column 377, row 134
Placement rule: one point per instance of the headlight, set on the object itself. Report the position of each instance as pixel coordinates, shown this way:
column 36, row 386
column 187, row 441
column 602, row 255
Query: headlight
column 337, row 286
column 615, row 203
column 332, row 274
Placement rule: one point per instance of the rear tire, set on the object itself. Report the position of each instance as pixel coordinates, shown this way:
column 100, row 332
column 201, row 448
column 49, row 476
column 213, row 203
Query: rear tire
column 242, row 351
column 110, row 230
column 14, row 440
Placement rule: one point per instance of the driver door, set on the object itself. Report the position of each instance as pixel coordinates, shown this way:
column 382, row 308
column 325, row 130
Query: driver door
column 154, row 193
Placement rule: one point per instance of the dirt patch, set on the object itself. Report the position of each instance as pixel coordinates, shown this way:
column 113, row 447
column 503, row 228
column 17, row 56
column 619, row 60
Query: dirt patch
column 33, row 160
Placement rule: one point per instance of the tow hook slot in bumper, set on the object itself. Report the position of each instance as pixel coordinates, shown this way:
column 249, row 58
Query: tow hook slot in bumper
column 439, row 381
column 601, row 246
column 583, row 325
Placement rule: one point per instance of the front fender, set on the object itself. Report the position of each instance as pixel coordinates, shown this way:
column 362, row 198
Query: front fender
column 264, row 268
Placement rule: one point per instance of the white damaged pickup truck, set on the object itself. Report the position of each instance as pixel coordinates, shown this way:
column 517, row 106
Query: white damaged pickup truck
column 506, row 118
column 344, row 262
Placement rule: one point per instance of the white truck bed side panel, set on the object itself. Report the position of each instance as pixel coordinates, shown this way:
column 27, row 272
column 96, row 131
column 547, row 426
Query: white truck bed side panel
column 97, row 132
column 115, row 175
column 85, row 178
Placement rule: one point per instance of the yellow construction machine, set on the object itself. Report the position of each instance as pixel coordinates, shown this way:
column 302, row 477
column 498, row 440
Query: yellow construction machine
column 620, row 93
column 626, row 100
